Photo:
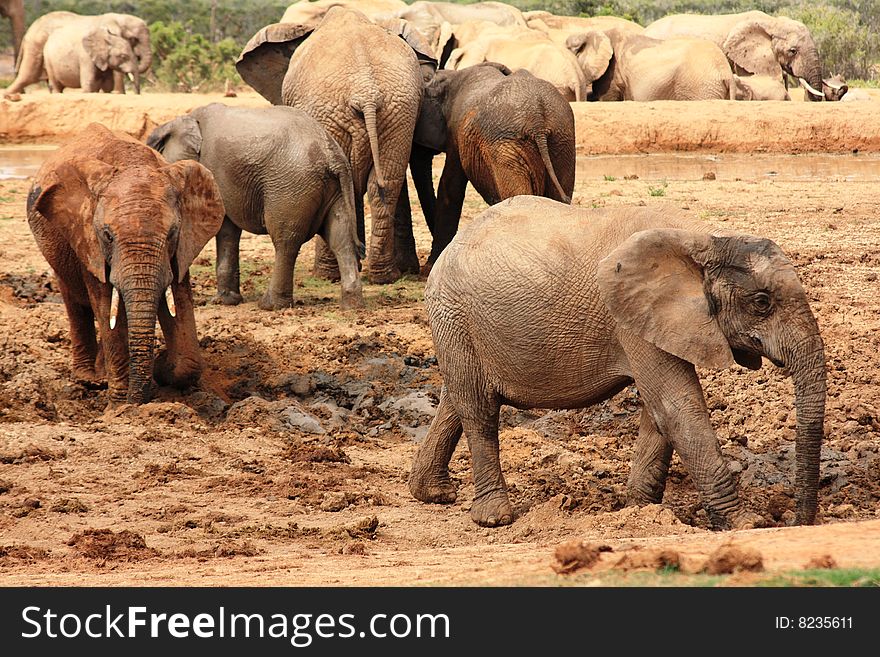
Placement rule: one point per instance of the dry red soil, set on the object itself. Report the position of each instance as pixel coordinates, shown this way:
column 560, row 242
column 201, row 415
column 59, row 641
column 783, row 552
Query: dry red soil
column 288, row 465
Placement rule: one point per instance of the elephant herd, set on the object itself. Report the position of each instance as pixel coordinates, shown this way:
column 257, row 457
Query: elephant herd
column 536, row 303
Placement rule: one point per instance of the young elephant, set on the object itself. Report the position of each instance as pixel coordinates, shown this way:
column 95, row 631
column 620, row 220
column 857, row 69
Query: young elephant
column 118, row 223
column 540, row 304
column 279, row 173
column 760, row 87
column 507, row 133
column 88, row 62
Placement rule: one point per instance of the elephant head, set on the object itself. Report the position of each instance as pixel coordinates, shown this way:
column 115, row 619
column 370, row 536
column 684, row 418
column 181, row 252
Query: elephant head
column 594, row 51
column 179, row 139
column 716, row 300
column 762, row 45
column 110, row 51
column 138, row 34
column 139, row 228
column 835, row 87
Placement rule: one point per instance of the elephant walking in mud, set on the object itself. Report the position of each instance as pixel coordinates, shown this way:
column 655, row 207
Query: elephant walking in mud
column 506, row 133
column 120, row 228
column 279, row 173
column 541, row 304
column 364, row 85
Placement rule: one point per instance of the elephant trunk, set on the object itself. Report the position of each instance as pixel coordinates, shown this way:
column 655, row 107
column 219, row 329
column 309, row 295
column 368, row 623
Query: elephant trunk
column 18, row 30
column 136, row 80
column 810, row 72
column 806, row 362
column 144, row 55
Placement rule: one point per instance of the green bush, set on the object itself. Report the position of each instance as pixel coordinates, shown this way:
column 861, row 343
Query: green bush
column 185, row 61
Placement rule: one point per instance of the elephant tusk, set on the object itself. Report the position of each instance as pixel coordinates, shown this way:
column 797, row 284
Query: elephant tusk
column 130, row 76
column 806, row 85
column 169, row 301
column 114, row 308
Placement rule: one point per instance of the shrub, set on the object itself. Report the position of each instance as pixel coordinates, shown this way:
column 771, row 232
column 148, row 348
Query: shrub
column 185, row 61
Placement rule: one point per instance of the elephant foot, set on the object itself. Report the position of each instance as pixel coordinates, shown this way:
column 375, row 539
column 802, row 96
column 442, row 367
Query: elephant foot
column 351, row 300
column 385, row 276
column 271, row 302
column 86, row 376
column 182, row 373
column 13, row 97
column 409, row 264
column 746, row 520
column 644, row 497
column 432, row 490
column 492, row 509
column 227, row 298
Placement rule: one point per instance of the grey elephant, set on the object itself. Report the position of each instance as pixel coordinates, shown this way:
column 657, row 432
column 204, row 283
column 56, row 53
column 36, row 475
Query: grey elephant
column 754, row 42
column 30, row 68
column 364, row 85
column 638, row 295
column 280, row 173
column 505, row 133
column 88, row 61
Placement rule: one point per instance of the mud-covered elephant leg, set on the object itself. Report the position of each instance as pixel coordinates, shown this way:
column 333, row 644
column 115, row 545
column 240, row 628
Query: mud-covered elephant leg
column 279, row 294
column 382, row 267
column 337, row 235
column 114, row 342
column 228, row 274
column 83, row 339
column 405, row 256
column 650, row 464
column 180, row 363
column 429, row 480
column 672, row 394
column 450, row 200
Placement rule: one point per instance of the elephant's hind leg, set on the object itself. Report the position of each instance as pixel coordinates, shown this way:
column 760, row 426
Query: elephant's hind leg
column 650, row 464
column 429, row 480
column 228, row 276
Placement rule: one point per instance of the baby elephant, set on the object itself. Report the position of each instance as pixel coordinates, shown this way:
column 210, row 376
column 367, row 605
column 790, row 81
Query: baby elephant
column 541, row 304
column 120, row 227
column 280, row 173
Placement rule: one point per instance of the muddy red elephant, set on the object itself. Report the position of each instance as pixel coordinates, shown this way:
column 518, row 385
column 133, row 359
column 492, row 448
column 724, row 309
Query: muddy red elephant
column 120, row 227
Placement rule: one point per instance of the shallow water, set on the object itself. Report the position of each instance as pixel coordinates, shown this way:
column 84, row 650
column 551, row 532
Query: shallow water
column 17, row 162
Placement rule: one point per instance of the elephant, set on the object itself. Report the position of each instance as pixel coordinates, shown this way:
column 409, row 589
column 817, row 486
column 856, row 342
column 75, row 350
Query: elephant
column 760, row 87
column 639, row 295
column 754, row 43
column 364, row 86
column 14, row 11
column 507, row 133
column 280, row 173
column 117, row 223
column 518, row 48
column 559, row 28
column 307, row 12
column 88, row 62
column 629, row 66
column 834, row 87
column 30, row 68
column 854, row 95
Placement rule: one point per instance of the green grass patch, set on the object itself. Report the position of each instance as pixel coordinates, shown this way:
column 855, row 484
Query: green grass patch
column 848, row 577
column 609, row 178
column 658, row 191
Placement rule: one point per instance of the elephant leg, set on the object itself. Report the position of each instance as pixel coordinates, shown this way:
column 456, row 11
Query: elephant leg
column 420, row 166
column 405, row 256
column 450, row 200
column 429, row 479
column 180, row 363
column 279, row 294
column 672, row 394
column 118, row 82
column 326, row 266
column 83, row 340
column 650, row 464
column 382, row 267
column 228, row 275
column 114, row 342
column 337, row 234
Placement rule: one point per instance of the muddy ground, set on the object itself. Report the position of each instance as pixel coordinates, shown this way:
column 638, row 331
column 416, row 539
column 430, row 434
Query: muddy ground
column 288, row 465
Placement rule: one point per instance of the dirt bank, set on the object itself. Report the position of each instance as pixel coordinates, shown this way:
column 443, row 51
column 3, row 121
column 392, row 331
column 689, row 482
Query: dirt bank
column 602, row 128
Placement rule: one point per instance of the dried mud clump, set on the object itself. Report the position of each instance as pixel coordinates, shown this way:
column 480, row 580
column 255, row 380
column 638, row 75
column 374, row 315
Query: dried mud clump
column 576, row 555
column 663, row 559
column 124, row 545
column 729, row 559
column 309, row 453
column 69, row 505
column 22, row 553
column 823, row 562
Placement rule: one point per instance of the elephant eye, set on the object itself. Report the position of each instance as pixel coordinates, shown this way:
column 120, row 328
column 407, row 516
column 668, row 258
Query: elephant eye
column 108, row 234
column 761, row 302
column 793, row 51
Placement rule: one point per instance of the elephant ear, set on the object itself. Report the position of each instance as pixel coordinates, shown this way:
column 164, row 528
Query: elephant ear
column 179, row 139
column 97, row 45
column 748, row 45
column 653, row 286
column 414, row 39
column 743, row 89
column 201, row 211
column 445, row 43
column 593, row 50
column 66, row 196
column 264, row 60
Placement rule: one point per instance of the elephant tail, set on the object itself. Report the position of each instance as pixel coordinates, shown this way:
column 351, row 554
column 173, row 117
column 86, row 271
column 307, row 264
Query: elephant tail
column 541, row 140
column 369, row 110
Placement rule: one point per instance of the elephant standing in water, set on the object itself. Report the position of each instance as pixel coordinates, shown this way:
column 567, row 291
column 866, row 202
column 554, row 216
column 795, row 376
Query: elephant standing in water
column 638, row 295
column 120, row 228
column 505, row 133
column 364, row 86
column 279, row 173
column 754, row 43
column 31, row 69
